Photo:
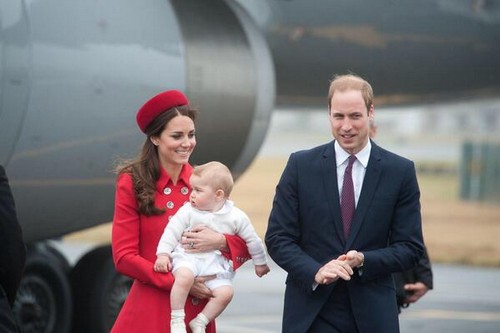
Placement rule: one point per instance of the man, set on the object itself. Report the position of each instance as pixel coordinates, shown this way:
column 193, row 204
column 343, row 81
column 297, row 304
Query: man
column 414, row 283
column 12, row 255
column 341, row 241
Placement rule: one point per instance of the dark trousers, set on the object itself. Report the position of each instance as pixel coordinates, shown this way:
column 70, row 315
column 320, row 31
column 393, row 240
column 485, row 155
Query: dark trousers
column 336, row 315
column 7, row 321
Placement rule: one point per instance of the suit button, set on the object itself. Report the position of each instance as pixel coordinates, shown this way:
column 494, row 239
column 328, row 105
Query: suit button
column 170, row 205
column 184, row 190
column 167, row 190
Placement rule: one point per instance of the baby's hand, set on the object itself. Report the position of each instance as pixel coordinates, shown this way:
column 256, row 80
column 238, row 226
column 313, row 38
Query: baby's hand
column 261, row 270
column 162, row 263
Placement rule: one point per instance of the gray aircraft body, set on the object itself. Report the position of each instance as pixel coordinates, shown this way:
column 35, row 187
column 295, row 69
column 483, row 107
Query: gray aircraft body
column 73, row 74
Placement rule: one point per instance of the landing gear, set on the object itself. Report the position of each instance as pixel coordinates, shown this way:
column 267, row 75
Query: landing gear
column 53, row 297
column 99, row 292
column 43, row 303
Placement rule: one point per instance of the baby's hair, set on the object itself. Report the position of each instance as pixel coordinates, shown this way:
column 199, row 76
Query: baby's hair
column 219, row 176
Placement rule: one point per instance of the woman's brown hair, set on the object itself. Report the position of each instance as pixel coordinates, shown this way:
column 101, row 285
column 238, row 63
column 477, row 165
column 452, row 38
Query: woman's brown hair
column 145, row 169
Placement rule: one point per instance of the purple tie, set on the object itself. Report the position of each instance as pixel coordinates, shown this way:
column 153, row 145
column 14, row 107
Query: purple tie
column 347, row 203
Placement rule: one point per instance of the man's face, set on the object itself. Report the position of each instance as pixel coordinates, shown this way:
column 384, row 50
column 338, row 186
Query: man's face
column 350, row 120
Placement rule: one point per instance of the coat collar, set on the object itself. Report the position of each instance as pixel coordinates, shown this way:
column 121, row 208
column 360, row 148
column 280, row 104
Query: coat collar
column 362, row 156
column 165, row 178
column 329, row 172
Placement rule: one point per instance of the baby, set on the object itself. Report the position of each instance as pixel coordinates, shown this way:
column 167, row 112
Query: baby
column 209, row 205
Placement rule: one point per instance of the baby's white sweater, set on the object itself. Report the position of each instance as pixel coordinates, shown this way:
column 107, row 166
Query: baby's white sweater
column 228, row 220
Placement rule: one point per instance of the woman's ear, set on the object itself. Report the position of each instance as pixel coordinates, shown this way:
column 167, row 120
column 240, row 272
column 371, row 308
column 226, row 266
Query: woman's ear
column 154, row 140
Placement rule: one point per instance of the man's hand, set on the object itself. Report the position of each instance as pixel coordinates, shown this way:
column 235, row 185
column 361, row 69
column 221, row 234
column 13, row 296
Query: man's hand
column 353, row 258
column 334, row 270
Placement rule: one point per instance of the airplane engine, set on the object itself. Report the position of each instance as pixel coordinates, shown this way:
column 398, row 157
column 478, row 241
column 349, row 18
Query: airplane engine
column 73, row 74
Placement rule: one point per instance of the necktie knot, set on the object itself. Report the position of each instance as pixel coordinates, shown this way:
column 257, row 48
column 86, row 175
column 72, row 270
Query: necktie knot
column 352, row 159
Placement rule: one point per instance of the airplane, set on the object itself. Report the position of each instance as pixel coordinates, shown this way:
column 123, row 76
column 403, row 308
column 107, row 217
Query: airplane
column 73, row 74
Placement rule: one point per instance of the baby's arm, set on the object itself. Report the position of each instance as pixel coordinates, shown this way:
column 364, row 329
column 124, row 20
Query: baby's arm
column 255, row 245
column 169, row 239
column 163, row 263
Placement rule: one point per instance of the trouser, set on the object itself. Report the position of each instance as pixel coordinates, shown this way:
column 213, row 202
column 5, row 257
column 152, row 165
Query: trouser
column 336, row 315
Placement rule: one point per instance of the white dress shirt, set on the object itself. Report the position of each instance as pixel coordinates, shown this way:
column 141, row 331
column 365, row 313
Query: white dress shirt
column 358, row 168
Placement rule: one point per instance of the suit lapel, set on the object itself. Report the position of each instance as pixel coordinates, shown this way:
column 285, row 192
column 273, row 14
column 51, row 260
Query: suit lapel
column 329, row 171
column 372, row 176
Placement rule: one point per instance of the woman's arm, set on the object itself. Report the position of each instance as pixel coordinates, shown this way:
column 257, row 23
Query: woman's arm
column 202, row 239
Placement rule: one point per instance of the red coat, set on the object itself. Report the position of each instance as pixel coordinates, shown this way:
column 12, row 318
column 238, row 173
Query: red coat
column 134, row 241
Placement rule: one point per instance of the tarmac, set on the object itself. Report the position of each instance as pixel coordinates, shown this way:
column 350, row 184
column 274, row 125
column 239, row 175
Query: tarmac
column 464, row 299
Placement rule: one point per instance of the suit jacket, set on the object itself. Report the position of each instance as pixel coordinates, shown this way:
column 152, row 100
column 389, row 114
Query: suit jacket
column 305, row 232
column 12, row 249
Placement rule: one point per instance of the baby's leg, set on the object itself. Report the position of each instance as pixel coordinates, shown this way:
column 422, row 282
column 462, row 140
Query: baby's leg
column 222, row 297
column 184, row 279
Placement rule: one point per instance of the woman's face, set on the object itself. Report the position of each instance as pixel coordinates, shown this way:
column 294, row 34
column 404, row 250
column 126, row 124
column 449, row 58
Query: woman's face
column 176, row 142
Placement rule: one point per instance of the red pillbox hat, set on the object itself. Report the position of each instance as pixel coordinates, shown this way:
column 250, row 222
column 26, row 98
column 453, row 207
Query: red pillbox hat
column 157, row 105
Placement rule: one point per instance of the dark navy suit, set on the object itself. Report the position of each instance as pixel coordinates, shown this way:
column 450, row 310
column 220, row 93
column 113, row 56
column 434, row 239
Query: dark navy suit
column 305, row 232
column 12, row 254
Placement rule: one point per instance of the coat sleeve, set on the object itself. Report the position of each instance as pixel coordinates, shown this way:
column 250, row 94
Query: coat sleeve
column 423, row 271
column 238, row 251
column 125, row 239
column 12, row 248
column 283, row 235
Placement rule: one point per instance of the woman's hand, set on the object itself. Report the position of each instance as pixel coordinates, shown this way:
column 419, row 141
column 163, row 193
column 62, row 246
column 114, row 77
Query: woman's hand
column 202, row 239
column 199, row 289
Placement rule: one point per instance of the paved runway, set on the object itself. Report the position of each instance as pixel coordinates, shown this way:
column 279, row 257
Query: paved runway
column 464, row 300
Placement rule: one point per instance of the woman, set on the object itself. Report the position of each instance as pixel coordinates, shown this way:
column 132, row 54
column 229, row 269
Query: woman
column 148, row 192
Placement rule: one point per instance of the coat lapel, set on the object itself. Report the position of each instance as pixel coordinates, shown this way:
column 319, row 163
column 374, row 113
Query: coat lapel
column 329, row 171
column 372, row 177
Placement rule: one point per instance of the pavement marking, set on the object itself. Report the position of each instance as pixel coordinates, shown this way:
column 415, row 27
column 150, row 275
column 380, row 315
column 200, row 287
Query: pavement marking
column 246, row 324
column 455, row 315
column 240, row 329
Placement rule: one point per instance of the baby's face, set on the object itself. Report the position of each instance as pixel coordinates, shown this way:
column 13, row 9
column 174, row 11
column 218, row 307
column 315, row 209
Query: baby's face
column 203, row 196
